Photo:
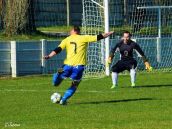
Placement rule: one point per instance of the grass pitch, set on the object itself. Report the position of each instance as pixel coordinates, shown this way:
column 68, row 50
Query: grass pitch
column 25, row 104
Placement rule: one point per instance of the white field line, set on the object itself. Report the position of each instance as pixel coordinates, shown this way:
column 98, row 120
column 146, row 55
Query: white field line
column 25, row 90
column 60, row 91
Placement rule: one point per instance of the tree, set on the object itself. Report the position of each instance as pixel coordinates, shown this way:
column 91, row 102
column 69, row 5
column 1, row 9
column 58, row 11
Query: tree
column 162, row 2
column 19, row 17
column 2, row 10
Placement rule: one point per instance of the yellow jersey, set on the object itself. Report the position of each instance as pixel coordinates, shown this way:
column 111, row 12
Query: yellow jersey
column 76, row 48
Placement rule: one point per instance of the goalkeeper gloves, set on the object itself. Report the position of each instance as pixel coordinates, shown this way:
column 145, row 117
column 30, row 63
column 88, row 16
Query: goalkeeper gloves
column 109, row 60
column 148, row 67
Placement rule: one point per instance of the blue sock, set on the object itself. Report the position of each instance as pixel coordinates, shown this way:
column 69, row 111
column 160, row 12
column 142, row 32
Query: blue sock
column 57, row 79
column 69, row 92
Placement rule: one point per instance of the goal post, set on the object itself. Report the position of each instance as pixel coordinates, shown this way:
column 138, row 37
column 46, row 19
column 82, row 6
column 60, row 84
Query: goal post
column 106, row 15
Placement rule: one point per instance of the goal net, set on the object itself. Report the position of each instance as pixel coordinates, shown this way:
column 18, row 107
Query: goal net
column 150, row 22
column 151, row 27
column 93, row 24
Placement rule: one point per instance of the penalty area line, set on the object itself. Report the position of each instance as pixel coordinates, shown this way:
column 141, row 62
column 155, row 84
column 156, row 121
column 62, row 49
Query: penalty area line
column 60, row 91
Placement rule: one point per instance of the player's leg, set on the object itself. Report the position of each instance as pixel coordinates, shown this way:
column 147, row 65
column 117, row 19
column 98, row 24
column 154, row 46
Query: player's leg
column 117, row 68
column 57, row 79
column 133, row 67
column 114, row 79
column 133, row 76
column 76, row 76
column 69, row 92
column 61, row 74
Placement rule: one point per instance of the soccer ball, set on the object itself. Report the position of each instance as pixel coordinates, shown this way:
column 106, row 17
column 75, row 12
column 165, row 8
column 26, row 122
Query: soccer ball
column 55, row 97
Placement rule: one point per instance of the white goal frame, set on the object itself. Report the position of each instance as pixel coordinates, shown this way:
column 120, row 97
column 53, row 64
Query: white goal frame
column 106, row 18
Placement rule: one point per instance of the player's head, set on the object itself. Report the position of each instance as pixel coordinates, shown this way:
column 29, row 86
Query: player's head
column 126, row 36
column 75, row 30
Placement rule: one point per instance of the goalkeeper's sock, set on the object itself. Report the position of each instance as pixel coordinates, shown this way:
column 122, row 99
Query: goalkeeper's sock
column 114, row 79
column 69, row 92
column 133, row 77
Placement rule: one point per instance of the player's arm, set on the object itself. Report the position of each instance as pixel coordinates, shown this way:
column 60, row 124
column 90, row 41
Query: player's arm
column 145, row 60
column 105, row 35
column 57, row 50
column 54, row 52
column 90, row 38
column 139, row 50
column 112, row 52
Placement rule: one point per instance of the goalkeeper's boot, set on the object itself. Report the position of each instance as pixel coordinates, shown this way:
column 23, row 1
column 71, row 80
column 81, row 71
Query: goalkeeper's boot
column 63, row 102
column 113, row 86
column 133, row 84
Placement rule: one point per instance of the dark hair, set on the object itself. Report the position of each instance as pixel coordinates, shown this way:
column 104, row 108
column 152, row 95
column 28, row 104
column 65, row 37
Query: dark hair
column 127, row 33
column 76, row 29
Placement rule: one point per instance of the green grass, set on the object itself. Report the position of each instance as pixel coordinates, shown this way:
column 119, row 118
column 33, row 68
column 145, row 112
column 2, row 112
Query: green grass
column 63, row 29
column 26, row 101
column 22, row 37
column 38, row 36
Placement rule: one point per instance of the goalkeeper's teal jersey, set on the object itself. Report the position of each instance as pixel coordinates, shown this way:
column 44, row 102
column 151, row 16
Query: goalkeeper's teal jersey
column 76, row 48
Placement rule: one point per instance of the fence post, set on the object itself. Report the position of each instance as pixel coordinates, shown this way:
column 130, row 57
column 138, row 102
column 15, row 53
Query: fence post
column 43, row 53
column 68, row 12
column 158, row 49
column 14, row 71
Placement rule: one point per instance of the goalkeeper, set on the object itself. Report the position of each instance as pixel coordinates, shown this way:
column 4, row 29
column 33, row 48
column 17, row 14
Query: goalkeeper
column 74, row 64
column 127, row 62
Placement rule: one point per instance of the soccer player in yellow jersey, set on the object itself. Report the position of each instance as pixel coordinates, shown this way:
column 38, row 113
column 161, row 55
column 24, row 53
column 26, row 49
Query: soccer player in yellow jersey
column 74, row 64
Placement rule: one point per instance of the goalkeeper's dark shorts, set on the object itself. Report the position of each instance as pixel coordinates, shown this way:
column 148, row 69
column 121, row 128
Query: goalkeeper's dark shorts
column 124, row 64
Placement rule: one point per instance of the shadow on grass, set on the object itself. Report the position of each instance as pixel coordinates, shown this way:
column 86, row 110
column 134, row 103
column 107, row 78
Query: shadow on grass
column 115, row 101
column 152, row 86
column 148, row 86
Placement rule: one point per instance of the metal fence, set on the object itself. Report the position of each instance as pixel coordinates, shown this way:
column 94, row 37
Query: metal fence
column 26, row 57
column 5, row 58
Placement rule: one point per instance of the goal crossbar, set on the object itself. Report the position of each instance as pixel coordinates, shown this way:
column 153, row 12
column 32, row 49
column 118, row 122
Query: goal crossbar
column 154, row 7
column 97, row 4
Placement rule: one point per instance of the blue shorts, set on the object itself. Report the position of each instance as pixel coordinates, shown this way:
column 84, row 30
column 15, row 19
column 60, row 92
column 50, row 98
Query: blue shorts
column 73, row 72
